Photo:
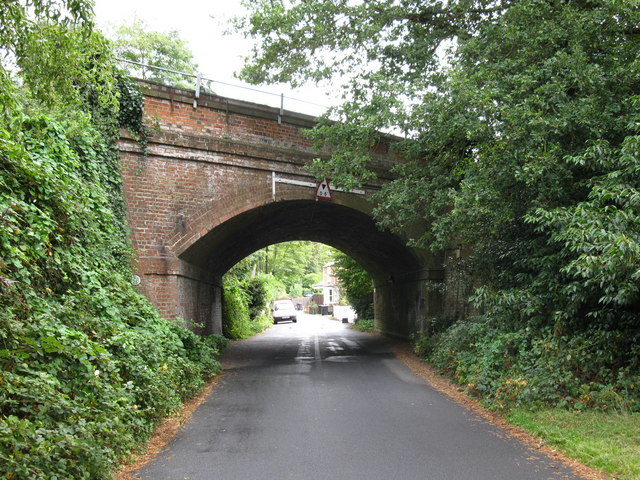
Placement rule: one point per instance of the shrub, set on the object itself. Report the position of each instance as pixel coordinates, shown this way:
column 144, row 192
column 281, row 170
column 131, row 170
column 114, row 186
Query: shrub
column 235, row 312
column 257, row 296
column 364, row 325
column 236, row 319
column 357, row 284
column 538, row 366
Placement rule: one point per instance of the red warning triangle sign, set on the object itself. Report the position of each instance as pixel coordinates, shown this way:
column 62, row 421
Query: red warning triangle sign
column 323, row 191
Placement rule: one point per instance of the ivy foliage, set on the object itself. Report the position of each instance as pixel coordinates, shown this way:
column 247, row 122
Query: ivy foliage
column 87, row 366
column 245, row 305
column 521, row 121
column 357, row 285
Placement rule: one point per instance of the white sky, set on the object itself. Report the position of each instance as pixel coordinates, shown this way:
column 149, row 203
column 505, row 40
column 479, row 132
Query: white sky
column 202, row 23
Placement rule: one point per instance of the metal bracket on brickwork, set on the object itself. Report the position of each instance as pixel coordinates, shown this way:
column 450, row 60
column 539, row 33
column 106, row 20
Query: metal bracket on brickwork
column 281, row 109
column 273, row 186
column 198, row 84
column 275, row 179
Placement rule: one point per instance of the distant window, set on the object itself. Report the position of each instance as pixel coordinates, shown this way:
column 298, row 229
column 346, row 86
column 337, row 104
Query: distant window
column 330, row 295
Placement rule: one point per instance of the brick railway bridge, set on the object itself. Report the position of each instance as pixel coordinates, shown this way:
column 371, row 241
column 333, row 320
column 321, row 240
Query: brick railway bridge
column 222, row 178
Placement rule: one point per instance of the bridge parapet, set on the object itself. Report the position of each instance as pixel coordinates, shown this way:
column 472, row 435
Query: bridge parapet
column 240, row 123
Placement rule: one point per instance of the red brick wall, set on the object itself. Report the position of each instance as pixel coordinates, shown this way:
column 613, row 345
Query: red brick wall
column 203, row 166
column 179, row 117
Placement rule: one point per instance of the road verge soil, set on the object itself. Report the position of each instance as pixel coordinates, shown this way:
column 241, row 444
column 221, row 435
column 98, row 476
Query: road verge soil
column 163, row 434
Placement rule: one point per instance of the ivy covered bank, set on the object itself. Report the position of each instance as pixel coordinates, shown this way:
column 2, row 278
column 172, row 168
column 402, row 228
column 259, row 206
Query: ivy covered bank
column 87, row 367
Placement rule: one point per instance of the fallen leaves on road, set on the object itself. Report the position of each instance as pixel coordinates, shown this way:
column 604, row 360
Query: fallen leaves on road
column 444, row 386
column 163, row 434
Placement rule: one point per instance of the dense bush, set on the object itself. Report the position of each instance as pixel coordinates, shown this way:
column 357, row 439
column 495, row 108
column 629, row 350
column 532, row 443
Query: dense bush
column 87, row 367
column 566, row 333
column 237, row 320
column 511, row 366
column 364, row 325
column 256, row 292
column 269, row 289
column 235, row 311
column 357, row 285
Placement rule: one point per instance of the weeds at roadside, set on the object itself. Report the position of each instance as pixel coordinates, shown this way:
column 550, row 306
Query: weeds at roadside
column 364, row 325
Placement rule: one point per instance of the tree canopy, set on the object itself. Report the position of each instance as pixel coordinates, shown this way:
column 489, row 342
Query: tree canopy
column 136, row 43
column 38, row 42
column 517, row 116
column 521, row 122
column 296, row 265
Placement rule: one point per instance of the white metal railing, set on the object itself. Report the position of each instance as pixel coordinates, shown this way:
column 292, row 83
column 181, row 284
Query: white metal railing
column 200, row 80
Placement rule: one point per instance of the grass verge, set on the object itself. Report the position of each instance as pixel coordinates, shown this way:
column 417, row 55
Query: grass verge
column 607, row 441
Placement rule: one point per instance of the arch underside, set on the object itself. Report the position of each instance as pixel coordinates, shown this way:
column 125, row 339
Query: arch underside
column 349, row 230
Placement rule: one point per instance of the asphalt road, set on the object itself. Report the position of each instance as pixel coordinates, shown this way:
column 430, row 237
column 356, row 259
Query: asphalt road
column 316, row 401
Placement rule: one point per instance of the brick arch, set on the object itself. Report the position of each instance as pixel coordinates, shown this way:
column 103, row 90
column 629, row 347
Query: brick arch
column 336, row 224
column 215, row 213
column 201, row 197
column 394, row 267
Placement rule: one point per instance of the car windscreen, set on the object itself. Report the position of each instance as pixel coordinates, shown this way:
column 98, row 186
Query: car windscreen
column 283, row 306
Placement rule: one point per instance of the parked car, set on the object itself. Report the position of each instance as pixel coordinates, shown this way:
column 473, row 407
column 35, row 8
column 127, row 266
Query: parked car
column 283, row 310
